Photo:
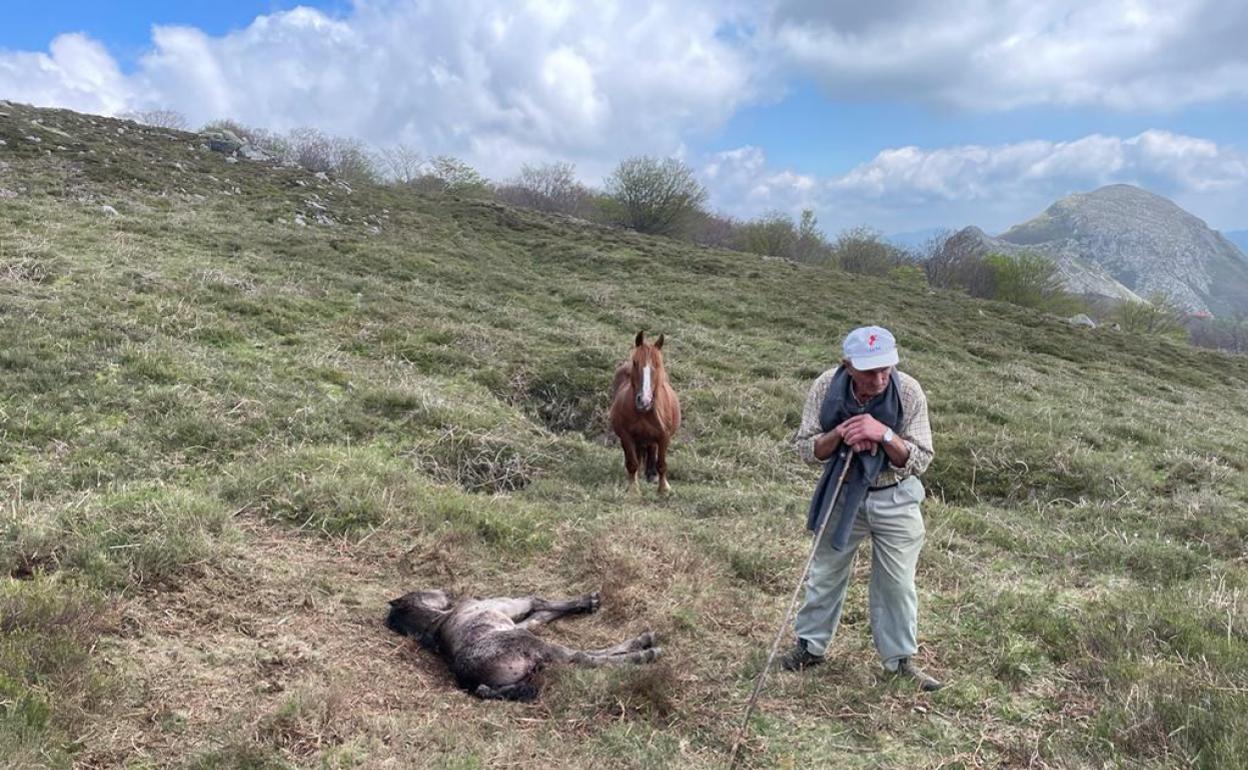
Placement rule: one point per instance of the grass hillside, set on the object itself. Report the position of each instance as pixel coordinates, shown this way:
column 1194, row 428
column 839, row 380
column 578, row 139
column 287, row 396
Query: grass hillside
column 241, row 407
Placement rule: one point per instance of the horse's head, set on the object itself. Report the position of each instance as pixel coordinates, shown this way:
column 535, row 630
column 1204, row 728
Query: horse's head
column 647, row 368
column 419, row 613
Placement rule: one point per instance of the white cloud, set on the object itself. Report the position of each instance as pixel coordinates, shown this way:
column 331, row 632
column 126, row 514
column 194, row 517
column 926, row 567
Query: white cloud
column 1170, row 161
column 1002, row 54
column 496, row 83
column 742, row 185
column 501, row 84
column 908, row 188
column 76, row 73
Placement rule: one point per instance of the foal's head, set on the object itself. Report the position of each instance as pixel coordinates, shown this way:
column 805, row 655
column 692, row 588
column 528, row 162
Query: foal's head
column 419, row 614
column 647, row 367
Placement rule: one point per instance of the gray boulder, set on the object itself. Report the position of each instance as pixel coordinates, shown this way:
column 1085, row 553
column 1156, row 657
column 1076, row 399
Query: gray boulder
column 252, row 152
column 223, row 141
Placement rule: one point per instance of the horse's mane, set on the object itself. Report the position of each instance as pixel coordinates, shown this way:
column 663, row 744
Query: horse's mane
column 621, row 377
column 664, row 400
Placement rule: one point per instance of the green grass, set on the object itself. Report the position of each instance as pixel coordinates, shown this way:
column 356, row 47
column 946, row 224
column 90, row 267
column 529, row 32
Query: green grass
column 226, row 439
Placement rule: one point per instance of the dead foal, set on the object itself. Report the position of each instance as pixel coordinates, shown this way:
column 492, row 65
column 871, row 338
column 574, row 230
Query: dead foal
column 490, row 645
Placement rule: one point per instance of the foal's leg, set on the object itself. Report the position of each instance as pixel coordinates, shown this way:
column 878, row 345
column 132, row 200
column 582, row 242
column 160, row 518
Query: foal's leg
column 519, row 691
column 592, row 659
column 543, row 611
column 644, row 642
column 664, row 487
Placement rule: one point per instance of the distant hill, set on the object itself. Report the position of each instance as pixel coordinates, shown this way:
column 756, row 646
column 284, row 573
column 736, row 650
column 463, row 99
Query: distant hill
column 1239, row 238
column 916, row 239
column 1079, row 276
column 1121, row 241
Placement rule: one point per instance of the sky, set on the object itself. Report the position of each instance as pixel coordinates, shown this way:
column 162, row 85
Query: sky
column 901, row 115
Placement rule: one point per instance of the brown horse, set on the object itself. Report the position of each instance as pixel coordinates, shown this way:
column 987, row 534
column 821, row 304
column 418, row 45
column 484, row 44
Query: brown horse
column 645, row 413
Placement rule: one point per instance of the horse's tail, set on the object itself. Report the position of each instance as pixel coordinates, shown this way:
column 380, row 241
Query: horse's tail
column 652, row 462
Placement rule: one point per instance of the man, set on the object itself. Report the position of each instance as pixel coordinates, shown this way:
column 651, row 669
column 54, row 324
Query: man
column 869, row 414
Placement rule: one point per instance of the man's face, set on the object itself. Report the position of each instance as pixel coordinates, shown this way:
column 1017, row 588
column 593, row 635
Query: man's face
column 868, row 383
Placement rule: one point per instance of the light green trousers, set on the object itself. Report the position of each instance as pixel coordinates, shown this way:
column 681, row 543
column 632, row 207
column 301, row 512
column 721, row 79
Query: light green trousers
column 895, row 523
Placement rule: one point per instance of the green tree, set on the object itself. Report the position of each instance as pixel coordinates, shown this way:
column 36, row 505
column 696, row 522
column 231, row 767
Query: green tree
column 772, row 234
column 1025, row 279
column 1158, row 315
column 863, row 250
column 448, row 174
column 548, row 187
column 811, row 244
column 649, row 195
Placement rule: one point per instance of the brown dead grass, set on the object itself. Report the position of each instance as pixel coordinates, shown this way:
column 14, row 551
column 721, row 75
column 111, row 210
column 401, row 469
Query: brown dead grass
column 289, row 650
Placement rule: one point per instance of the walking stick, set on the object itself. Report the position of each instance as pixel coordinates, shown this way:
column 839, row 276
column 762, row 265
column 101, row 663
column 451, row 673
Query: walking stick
column 762, row 675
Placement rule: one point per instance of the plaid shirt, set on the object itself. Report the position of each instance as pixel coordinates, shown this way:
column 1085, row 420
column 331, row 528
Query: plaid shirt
column 915, row 429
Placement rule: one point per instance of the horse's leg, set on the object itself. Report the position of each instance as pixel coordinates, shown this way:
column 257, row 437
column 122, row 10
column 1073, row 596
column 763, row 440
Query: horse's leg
column 516, row 608
column 593, row 659
column 664, row 487
column 545, row 611
column 644, row 642
column 525, row 607
column 652, row 463
column 518, row 691
column 630, row 461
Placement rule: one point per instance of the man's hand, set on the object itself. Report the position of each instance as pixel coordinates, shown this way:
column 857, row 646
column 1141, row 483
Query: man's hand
column 863, row 433
column 857, row 446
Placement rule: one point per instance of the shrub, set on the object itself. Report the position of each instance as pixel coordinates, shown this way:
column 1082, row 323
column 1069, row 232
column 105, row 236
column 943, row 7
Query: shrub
column 400, row 164
column 776, row 234
column 863, row 250
column 308, row 148
column 661, row 197
column 1159, row 315
column 715, row 230
column 447, row 174
column 315, row 150
column 1026, row 279
column 1220, row 333
column 160, row 118
column 772, row 234
column 811, row 243
column 550, row 187
column 1029, row 280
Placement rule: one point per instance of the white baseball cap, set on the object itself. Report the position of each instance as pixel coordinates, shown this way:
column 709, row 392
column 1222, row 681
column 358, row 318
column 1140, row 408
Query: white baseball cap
column 870, row 347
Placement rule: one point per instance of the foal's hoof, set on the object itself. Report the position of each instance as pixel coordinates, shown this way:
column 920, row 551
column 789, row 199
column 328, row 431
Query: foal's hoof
column 593, row 602
column 648, row 639
column 651, row 655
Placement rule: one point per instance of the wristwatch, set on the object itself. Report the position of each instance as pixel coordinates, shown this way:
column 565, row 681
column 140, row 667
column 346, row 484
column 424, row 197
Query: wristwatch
column 888, row 435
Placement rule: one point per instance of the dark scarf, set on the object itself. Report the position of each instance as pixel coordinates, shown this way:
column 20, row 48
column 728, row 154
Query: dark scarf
column 838, row 406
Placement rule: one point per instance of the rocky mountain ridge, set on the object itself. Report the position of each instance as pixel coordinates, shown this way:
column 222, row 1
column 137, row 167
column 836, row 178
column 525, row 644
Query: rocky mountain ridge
column 1122, row 242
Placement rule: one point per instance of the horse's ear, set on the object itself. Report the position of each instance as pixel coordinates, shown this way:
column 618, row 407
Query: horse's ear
column 659, row 342
column 641, row 338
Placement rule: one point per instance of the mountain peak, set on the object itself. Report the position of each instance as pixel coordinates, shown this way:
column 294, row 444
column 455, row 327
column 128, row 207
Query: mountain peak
column 1144, row 241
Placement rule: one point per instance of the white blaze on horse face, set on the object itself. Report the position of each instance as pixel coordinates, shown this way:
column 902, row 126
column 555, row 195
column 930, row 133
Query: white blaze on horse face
column 647, row 394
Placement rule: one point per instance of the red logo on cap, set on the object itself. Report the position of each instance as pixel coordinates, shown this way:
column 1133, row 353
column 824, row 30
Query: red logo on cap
column 871, row 341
